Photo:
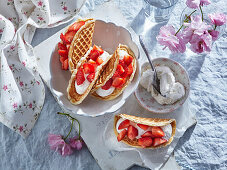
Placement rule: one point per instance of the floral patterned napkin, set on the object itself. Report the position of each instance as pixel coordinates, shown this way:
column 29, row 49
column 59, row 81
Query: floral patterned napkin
column 22, row 92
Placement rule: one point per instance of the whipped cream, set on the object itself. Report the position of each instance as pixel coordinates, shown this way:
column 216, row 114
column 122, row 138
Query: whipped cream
column 121, row 54
column 80, row 89
column 167, row 129
column 103, row 93
column 168, row 87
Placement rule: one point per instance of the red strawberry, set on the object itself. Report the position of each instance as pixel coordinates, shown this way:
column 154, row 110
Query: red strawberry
column 129, row 70
column 96, row 48
column 108, row 84
column 68, row 46
column 120, row 69
column 147, row 134
column 116, row 74
column 63, row 38
column 66, row 64
column 99, row 61
column 63, row 53
column 88, row 68
column 157, row 131
column 121, row 135
column 145, row 142
column 144, row 127
column 118, row 82
column 69, row 36
column 127, row 59
column 159, row 141
column 76, row 26
column 94, row 55
column 80, row 76
column 124, row 124
column 91, row 77
column 62, row 59
column 121, row 62
column 91, row 61
column 132, row 132
column 61, row 46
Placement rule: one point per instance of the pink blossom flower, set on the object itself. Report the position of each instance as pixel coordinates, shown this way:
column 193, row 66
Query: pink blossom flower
column 168, row 38
column 40, row 3
column 214, row 34
column 196, row 26
column 12, row 47
column 21, row 128
column 40, row 18
column 76, row 143
column 218, row 19
column 38, row 82
column 5, row 87
column 201, row 43
column 1, row 30
column 14, row 105
column 57, row 143
column 11, row 67
column 197, row 3
column 30, row 105
column 64, row 8
column 24, row 64
column 21, row 84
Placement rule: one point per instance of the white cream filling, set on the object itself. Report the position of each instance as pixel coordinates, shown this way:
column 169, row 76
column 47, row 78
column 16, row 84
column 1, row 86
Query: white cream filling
column 103, row 93
column 80, row 89
column 121, row 54
column 167, row 129
column 168, row 87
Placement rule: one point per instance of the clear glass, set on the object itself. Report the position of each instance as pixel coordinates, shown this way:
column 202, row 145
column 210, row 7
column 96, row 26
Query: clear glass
column 159, row 10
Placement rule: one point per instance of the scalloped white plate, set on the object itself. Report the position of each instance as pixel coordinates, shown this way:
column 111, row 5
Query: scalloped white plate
column 108, row 36
column 145, row 99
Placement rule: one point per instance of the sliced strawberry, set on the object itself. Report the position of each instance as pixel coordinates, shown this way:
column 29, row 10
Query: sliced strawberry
column 88, row 68
column 118, row 82
column 147, row 134
column 145, row 142
column 96, row 48
column 108, row 84
column 62, row 59
column 129, row 70
column 68, row 46
column 91, row 77
column 116, row 74
column 99, row 61
column 76, row 26
column 120, row 69
column 69, row 36
column 94, row 55
column 132, row 132
column 63, row 38
column 93, row 63
column 61, row 46
column 157, row 131
column 80, row 76
column 124, row 65
column 121, row 135
column 66, row 64
column 124, row 124
column 63, row 53
column 144, row 127
column 159, row 141
column 127, row 59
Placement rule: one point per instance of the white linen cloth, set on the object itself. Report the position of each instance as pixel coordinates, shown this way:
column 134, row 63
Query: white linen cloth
column 22, row 92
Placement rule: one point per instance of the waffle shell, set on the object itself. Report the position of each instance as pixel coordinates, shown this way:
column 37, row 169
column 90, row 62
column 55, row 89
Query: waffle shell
column 116, row 91
column 73, row 96
column 81, row 42
column 145, row 121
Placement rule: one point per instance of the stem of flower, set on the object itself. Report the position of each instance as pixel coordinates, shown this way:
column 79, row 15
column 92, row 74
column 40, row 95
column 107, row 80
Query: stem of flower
column 71, row 124
column 215, row 26
column 70, row 130
column 185, row 21
column 201, row 11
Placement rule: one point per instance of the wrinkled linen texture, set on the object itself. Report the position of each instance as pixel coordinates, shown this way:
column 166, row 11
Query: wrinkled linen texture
column 203, row 146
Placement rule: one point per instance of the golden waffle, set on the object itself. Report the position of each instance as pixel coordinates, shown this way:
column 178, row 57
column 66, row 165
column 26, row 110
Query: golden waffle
column 73, row 96
column 81, row 42
column 145, row 121
column 111, row 69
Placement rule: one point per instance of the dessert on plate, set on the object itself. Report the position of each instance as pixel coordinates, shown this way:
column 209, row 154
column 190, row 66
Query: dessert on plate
column 171, row 90
column 144, row 132
column 75, row 42
column 118, row 73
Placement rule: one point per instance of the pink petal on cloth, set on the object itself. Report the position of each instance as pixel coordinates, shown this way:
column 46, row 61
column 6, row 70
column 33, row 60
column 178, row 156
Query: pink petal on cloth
column 217, row 19
column 55, row 141
column 204, row 2
column 66, row 150
column 214, row 34
column 193, row 3
column 75, row 143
